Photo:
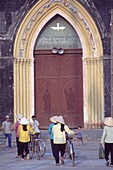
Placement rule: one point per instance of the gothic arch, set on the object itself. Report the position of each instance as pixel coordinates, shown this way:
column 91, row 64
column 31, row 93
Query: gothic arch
column 91, row 42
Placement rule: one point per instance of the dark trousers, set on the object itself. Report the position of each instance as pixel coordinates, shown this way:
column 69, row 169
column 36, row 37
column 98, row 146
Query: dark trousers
column 24, row 148
column 109, row 150
column 58, row 148
column 18, row 146
column 9, row 139
column 52, row 147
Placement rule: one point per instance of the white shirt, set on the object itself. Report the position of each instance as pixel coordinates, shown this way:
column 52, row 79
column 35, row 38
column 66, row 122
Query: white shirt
column 7, row 127
column 35, row 126
column 107, row 136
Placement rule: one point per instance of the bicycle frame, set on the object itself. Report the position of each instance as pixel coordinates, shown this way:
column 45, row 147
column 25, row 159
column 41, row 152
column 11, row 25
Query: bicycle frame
column 70, row 150
column 37, row 146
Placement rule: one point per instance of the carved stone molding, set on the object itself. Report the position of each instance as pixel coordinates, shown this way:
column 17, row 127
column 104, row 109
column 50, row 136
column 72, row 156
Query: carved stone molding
column 24, row 60
column 94, row 59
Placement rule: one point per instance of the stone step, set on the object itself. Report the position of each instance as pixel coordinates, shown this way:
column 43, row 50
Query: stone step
column 88, row 135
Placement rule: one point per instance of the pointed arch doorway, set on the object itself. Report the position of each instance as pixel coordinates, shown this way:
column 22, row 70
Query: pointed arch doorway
column 25, row 40
column 58, row 73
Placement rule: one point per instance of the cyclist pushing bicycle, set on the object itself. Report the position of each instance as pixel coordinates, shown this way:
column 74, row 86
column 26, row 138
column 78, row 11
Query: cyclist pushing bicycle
column 37, row 145
column 59, row 140
column 24, row 137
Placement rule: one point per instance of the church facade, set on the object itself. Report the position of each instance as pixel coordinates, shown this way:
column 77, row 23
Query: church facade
column 55, row 60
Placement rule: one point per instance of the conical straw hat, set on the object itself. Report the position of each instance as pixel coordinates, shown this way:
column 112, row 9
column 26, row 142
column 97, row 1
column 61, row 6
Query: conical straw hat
column 108, row 121
column 19, row 116
column 53, row 119
column 24, row 121
column 60, row 119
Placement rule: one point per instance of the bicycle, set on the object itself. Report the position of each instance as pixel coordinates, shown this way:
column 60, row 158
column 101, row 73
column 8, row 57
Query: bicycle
column 36, row 146
column 69, row 150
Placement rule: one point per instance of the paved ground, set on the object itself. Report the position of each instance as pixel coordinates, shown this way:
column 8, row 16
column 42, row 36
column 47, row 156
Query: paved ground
column 87, row 157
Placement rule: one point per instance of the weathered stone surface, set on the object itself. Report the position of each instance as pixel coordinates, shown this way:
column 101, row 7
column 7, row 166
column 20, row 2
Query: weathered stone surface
column 12, row 13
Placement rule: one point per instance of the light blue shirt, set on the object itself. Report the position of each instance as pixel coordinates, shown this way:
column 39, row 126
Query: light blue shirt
column 50, row 130
column 79, row 134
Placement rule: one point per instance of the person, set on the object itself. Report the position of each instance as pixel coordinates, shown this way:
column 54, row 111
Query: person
column 53, row 120
column 79, row 135
column 24, row 130
column 36, row 126
column 7, row 127
column 19, row 117
column 107, row 139
column 59, row 139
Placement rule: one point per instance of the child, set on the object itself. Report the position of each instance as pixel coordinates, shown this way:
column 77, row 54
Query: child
column 79, row 135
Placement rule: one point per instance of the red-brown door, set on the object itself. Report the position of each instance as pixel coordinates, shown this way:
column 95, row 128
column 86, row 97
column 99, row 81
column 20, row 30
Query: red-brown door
column 59, row 86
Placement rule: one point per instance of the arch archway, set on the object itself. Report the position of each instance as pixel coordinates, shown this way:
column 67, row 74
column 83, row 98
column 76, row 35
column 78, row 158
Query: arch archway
column 91, row 42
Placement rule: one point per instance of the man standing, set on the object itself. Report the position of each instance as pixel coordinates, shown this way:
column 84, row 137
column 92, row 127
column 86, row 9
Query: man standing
column 6, row 126
column 35, row 125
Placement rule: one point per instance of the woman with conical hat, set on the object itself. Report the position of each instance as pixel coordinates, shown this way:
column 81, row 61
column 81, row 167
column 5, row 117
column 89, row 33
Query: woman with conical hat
column 19, row 117
column 24, row 136
column 59, row 140
column 107, row 139
column 53, row 122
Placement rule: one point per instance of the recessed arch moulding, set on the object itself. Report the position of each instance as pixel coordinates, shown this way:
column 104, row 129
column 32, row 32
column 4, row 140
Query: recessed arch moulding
column 92, row 48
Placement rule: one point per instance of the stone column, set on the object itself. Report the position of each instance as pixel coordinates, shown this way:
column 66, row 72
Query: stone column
column 17, row 108
column 94, row 92
column 31, row 87
column 21, row 84
column 88, row 90
column 24, row 86
column 27, row 87
column 92, row 82
column 18, row 86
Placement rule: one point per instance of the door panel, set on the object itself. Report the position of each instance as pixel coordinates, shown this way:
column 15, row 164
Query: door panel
column 59, row 86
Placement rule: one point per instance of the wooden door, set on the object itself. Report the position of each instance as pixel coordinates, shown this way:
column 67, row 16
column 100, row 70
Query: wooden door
column 59, row 86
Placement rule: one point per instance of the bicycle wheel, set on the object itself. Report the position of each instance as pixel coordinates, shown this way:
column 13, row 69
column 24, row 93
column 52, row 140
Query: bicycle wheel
column 31, row 151
column 67, row 152
column 72, row 154
column 40, row 148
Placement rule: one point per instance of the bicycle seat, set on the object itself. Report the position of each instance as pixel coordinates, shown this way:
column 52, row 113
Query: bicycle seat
column 69, row 138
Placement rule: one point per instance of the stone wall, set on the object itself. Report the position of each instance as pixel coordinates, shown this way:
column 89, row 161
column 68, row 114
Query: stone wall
column 104, row 8
column 11, row 14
